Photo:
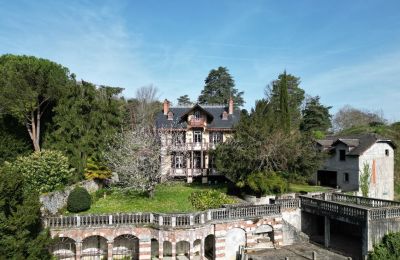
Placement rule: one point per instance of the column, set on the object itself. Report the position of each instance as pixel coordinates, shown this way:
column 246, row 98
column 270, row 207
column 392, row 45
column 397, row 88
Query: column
column 327, row 232
column 173, row 249
column 110, row 250
column 144, row 249
column 364, row 241
column 202, row 249
column 220, row 248
column 160, row 249
column 191, row 250
column 78, row 250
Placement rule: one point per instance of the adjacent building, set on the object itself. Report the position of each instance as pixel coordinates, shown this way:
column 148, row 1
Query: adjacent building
column 189, row 133
column 350, row 157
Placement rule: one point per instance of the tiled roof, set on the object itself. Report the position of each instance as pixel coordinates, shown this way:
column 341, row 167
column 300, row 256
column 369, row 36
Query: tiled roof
column 216, row 122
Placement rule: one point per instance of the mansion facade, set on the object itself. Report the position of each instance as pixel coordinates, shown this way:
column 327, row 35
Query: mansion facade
column 189, row 133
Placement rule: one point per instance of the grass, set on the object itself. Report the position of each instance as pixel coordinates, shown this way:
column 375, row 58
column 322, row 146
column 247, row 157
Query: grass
column 294, row 187
column 168, row 198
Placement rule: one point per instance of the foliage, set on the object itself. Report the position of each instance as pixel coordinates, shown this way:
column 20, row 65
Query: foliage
column 79, row 200
column 388, row 249
column 21, row 232
column 168, row 198
column 209, row 199
column 349, row 117
column 264, row 183
column 135, row 157
column 316, row 116
column 86, row 118
column 28, row 85
column 284, row 114
column 95, row 170
column 219, row 87
column 101, row 193
column 365, row 179
column 184, row 100
column 44, row 171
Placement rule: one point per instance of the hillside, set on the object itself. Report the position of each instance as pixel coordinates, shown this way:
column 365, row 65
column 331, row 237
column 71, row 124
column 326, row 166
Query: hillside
column 389, row 131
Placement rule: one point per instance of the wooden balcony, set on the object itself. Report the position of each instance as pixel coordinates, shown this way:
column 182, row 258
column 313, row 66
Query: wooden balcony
column 197, row 122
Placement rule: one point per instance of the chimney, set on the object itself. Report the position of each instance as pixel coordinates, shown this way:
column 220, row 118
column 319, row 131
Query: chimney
column 166, row 107
column 231, row 105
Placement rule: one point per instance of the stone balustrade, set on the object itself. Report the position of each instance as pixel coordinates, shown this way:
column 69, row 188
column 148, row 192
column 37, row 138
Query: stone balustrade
column 172, row 220
column 363, row 201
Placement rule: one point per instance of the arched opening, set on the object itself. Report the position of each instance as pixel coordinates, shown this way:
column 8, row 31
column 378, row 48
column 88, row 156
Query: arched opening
column 182, row 248
column 264, row 236
column 126, row 246
column 154, row 248
column 94, row 247
column 235, row 238
column 167, row 249
column 197, row 249
column 209, row 247
column 64, row 249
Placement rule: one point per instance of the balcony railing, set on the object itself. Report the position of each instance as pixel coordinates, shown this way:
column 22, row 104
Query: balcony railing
column 197, row 122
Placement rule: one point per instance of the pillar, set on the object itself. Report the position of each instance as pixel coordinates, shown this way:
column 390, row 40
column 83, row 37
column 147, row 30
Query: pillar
column 327, row 231
column 110, row 250
column 160, row 249
column 202, row 249
column 364, row 241
column 191, row 250
column 173, row 250
column 144, row 249
column 220, row 248
column 78, row 250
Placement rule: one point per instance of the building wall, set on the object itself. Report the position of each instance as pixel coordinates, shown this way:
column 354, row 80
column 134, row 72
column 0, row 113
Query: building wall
column 381, row 169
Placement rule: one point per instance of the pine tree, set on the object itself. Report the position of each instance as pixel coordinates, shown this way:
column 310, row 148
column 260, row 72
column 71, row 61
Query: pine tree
column 184, row 100
column 316, row 116
column 283, row 104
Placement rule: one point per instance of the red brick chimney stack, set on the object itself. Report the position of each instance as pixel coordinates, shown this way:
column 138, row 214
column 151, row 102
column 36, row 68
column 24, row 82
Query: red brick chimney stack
column 166, row 106
column 231, row 105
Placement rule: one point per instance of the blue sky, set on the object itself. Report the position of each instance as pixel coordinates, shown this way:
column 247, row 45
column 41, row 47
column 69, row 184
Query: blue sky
column 347, row 52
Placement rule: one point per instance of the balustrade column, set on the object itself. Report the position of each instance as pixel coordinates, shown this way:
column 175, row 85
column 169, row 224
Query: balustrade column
column 78, row 250
column 110, row 250
column 144, row 249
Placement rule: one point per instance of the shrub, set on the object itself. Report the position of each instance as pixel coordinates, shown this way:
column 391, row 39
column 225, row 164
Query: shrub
column 209, row 199
column 44, row 171
column 262, row 183
column 388, row 249
column 96, row 170
column 78, row 200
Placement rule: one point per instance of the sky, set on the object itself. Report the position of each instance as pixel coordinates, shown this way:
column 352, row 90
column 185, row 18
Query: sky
column 346, row 52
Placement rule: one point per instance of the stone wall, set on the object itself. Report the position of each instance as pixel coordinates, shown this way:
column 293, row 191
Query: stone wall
column 54, row 201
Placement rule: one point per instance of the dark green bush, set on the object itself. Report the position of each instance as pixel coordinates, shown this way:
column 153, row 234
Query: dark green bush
column 79, row 200
column 262, row 183
column 209, row 199
column 388, row 249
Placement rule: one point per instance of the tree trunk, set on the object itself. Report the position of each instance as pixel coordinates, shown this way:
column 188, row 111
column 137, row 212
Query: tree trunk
column 34, row 131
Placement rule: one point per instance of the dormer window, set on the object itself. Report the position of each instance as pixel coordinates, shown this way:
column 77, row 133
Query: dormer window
column 170, row 115
column 225, row 115
column 197, row 114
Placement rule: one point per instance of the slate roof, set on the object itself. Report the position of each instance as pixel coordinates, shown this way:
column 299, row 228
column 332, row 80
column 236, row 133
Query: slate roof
column 361, row 143
column 216, row 122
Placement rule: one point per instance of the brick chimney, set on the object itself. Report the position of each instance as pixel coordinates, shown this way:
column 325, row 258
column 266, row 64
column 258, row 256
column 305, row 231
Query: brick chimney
column 230, row 105
column 166, row 106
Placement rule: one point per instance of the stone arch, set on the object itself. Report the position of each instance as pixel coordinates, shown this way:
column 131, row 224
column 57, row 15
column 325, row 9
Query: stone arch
column 235, row 237
column 94, row 247
column 182, row 248
column 126, row 246
column 264, row 236
column 167, row 249
column 64, row 248
column 197, row 249
column 154, row 248
column 209, row 247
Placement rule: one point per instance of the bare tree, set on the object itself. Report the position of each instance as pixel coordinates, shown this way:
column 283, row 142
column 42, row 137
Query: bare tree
column 135, row 157
column 348, row 117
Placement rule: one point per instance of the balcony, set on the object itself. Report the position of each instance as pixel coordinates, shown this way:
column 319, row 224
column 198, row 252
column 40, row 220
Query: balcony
column 197, row 122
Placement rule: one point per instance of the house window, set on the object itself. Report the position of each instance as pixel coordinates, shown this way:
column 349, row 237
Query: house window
column 342, row 155
column 170, row 115
column 387, row 152
column 211, row 162
column 346, row 177
column 197, row 114
column 225, row 115
column 179, row 138
column 197, row 136
column 178, row 161
column 215, row 137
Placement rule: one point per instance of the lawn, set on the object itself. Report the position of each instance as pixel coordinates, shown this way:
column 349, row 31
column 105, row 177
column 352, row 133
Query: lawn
column 306, row 188
column 168, row 198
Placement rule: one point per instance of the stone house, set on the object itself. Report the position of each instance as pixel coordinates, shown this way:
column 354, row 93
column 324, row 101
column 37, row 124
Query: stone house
column 348, row 157
column 189, row 133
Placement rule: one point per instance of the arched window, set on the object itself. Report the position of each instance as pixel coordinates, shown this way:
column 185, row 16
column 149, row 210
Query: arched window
column 197, row 114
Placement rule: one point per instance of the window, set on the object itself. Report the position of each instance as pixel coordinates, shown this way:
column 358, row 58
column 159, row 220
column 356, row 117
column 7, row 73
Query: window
column 179, row 138
column 170, row 115
column 387, row 152
column 197, row 136
column 342, row 155
column 211, row 162
column 225, row 115
column 178, row 161
column 346, row 177
column 215, row 137
column 197, row 114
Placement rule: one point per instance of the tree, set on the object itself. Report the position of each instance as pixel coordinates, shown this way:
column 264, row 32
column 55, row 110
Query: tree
column 184, row 101
column 86, row 118
column 219, row 87
column 44, row 171
column 135, row 157
column 283, row 103
column 348, row 117
column 365, row 177
column 316, row 116
column 21, row 232
column 28, row 85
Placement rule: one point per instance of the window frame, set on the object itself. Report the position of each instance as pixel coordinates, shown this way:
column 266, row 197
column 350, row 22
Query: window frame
column 342, row 155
